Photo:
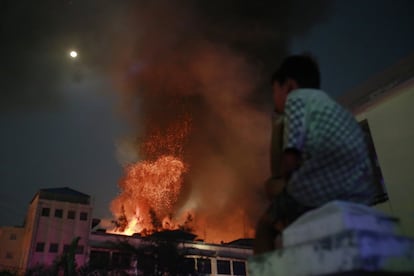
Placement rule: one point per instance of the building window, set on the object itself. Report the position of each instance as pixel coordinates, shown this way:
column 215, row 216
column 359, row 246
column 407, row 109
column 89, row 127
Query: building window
column 45, row 212
column 121, row 260
column 83, row 216
column 9, row 255
column 239, row 268
column 13, row 236
column 99, row 259
column 53, row 248
column 71, row 214
column 40, row 247
column 66, row 248
column 204, row 265
column 58, row 213
column 79, row 249
column 223, row 267
column 189, row 266
column 380, row 193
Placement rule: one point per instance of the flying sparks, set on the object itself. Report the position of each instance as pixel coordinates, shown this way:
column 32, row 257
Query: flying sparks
column 149, row 191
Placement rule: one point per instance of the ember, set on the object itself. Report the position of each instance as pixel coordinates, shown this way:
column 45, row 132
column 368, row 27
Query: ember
column 149, row 191
column 150, row 188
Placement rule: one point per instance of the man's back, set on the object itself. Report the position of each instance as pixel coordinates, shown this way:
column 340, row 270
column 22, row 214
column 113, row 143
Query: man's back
column 335, row 161
column 324, row 156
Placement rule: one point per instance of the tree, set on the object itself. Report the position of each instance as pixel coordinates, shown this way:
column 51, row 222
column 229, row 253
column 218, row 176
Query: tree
column 121, row 222
column 66, row 261
column 7, row 272
column 156, row 256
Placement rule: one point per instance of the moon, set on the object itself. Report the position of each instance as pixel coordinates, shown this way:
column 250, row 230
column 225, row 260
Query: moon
column 73, row 54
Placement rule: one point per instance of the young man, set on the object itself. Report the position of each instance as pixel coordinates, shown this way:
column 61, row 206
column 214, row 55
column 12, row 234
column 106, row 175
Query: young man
column 323, row 151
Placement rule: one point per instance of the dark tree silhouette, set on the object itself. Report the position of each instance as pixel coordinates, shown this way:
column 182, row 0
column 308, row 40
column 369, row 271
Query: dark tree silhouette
column 157, row 257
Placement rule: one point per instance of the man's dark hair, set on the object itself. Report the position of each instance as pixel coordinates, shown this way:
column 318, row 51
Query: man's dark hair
column 301, row 68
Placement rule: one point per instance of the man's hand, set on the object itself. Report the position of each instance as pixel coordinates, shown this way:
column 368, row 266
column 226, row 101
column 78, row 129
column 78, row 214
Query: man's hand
column 291, row 161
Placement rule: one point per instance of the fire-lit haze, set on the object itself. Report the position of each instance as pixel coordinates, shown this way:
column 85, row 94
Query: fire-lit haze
column 192, row 79
column 193, row 95
column 224, row 147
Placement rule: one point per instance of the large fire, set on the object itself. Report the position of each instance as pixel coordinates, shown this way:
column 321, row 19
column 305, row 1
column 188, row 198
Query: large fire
column 149, row 191
column 150, row 188
column 201, row 146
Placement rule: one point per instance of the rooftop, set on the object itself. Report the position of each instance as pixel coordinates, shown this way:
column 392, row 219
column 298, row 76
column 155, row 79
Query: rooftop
column 63, row 194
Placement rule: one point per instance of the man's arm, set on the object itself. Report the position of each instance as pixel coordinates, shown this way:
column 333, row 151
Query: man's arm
column 294, row 135
column 291, row 161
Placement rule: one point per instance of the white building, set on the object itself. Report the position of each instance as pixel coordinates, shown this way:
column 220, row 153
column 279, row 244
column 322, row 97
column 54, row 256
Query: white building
column 54, row 219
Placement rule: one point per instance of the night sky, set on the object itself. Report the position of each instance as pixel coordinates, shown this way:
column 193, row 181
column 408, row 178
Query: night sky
column 76, row 122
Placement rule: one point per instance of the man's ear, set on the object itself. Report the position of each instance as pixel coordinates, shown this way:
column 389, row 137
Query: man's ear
column 291, row 84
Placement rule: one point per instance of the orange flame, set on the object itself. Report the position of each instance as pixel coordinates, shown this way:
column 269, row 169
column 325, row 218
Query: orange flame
column 150, row 188
column 149, row 191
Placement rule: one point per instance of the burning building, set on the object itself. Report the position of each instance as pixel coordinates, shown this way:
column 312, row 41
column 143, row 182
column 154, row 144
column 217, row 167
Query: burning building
column 158, row 192
column 198, row 258
column 59, row 221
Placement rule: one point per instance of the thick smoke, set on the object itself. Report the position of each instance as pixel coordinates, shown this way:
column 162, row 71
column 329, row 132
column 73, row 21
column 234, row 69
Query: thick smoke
column 210, row 61
column 198, row 64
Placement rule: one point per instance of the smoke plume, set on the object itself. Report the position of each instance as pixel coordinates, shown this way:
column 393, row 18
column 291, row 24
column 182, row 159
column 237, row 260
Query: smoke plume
column 203, row 66
column 193, row 76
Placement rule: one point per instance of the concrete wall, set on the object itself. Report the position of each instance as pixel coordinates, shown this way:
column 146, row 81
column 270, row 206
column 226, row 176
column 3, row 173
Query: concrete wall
column 391, row 121
column 30, row 226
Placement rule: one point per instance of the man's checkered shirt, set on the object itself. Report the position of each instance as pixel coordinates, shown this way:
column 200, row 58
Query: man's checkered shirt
column 335, row 160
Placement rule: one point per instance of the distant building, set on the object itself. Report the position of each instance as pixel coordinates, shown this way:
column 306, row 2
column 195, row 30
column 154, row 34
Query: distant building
column 11, row 240
column 57, row 216
column 54, row 219
column 205, row 258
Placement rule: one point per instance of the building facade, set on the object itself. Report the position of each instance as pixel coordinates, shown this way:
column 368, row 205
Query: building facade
column 11, row 240
column 54, row 219
column 200, row 258
column 385, row 104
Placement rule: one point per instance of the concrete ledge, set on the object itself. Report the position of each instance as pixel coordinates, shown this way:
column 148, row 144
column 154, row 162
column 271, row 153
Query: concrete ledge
column 346, row 252
column 335, row 217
